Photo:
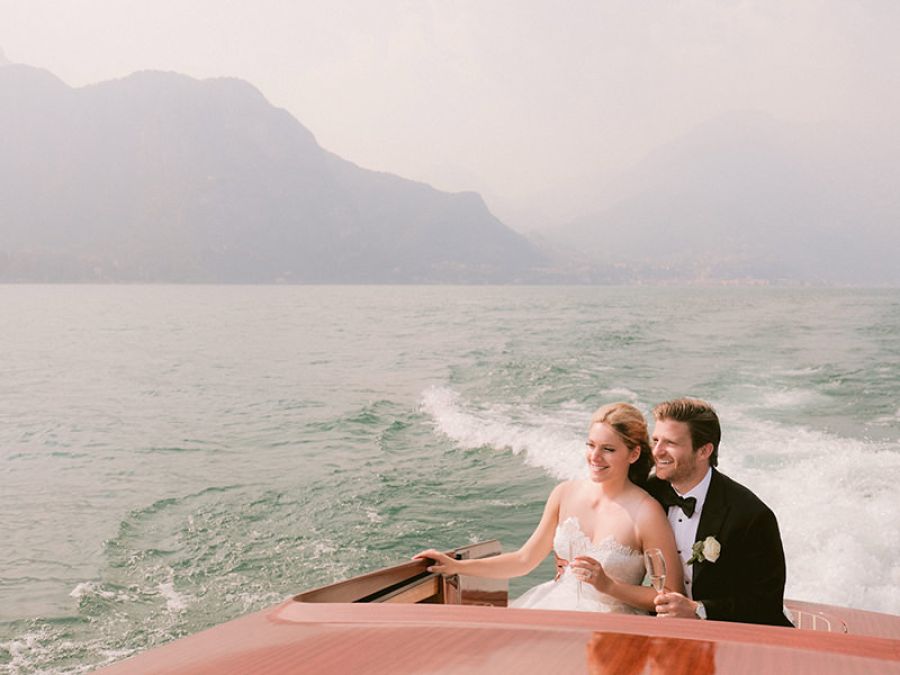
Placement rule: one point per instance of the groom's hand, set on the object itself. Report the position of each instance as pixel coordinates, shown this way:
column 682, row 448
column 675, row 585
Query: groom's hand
column 675, row 605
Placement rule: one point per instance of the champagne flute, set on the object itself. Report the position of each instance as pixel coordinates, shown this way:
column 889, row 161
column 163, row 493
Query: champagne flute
column 655, row 563
column 576, row 548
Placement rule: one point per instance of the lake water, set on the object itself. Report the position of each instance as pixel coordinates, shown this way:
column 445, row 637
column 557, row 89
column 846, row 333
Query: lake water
column 175, row 456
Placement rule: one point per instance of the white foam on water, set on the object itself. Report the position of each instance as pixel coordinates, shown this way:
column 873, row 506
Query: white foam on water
column 88, row 589
column 34, row 650
column 836, row 503
column 374, row 516
column 619, row 394
column 29, row 652
column 545, row 442
column 333, row 559
column 113, row 655
column 175, row 602
column 834, row 497
column 502, row 502
column 755, row 397
column 324, row 548
column 21, row 649
column 789, row 397
column 802, row 372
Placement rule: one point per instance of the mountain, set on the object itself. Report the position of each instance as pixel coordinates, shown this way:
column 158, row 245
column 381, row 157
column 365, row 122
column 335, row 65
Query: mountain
column 745, row 197
column 161, row 177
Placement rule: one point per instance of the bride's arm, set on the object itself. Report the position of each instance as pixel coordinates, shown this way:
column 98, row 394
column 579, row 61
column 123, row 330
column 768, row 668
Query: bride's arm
column 656, row 532
column 653, row 531
column 506, row 565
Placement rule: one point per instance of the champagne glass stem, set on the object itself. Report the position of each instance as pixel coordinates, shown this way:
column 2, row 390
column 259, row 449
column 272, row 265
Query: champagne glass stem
column 573, row 552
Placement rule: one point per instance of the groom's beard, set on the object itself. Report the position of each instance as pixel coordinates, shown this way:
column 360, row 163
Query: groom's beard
column 679, row 471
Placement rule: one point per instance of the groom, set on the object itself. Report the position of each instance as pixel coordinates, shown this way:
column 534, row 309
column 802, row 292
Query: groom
column 727, row 537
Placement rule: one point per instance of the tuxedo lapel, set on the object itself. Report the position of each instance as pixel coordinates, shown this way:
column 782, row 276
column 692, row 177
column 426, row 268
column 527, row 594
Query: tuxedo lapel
column 711, row 518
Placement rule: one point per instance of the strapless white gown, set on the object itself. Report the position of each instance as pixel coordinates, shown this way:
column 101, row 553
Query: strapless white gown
column 620, row 562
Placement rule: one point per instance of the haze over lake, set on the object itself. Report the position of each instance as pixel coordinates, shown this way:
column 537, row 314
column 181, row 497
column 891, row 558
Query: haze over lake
column 702, row 142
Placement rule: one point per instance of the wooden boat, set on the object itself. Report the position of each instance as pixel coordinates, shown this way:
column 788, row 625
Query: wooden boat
column 403, row 619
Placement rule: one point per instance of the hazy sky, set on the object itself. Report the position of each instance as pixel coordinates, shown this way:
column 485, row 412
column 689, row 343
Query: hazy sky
column 532, row 103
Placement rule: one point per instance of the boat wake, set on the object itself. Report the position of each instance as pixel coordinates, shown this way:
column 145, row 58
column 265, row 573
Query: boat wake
column 835, row 497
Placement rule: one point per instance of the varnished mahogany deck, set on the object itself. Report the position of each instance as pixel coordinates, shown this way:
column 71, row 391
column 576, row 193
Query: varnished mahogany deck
column 404, row 639
column 368, row 624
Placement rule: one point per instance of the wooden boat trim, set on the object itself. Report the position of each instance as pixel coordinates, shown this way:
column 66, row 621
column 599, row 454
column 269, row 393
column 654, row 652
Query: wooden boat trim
column 418, row 638
column 554, row 620
column 417, row 592
column 411, row 582
column 402, row 619
column 365, row 586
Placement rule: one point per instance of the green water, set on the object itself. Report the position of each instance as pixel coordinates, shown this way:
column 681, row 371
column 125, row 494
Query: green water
column 175, row 456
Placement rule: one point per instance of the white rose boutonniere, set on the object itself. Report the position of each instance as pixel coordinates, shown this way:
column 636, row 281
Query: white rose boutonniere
column 708, row 549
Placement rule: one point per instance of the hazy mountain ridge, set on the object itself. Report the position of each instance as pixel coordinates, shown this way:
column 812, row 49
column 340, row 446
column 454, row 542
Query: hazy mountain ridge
column 745, row 197
column 161, row 177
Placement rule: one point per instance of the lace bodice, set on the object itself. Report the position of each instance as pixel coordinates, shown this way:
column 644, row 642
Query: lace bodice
column 620, row 562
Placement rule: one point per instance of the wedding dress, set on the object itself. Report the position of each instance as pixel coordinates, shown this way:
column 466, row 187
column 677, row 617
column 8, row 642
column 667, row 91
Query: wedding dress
column 620, row 562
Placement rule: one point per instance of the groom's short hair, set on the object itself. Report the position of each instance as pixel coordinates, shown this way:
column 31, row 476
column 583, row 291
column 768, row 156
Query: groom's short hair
column 701, row 418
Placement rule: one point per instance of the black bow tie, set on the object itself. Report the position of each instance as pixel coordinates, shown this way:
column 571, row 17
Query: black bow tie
column 687, row 504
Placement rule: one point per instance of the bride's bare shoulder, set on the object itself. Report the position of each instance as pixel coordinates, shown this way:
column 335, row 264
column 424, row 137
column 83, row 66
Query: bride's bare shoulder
column 648, row 506
column 566, row 491
column 570, row 486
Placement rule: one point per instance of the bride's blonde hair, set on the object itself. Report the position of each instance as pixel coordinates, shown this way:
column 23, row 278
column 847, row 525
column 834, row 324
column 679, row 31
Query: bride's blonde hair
column 629, row 423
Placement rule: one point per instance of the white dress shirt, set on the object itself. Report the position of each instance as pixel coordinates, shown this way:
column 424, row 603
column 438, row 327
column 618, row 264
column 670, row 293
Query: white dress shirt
column 685, row 528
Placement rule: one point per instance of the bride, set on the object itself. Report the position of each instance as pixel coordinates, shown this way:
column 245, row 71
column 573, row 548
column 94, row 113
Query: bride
column 599, row 528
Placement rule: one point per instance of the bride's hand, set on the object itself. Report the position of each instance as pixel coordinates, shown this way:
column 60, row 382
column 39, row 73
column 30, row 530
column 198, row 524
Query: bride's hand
column 561, row 564
column 443, row 564
column 591, row 572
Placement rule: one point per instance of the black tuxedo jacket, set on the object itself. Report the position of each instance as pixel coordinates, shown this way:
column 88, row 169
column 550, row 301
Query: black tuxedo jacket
column 746, row 582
